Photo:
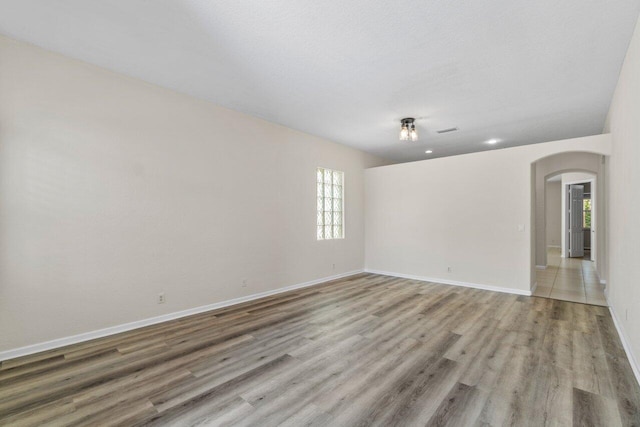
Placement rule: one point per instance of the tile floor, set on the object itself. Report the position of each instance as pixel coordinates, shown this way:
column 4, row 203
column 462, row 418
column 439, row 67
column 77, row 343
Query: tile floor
column 569, row 279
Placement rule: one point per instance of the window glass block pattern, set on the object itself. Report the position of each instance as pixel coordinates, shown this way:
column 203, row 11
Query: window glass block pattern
column 330, row 204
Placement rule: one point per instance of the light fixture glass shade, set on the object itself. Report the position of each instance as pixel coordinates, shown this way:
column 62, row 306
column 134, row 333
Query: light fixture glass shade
column 404, row 133
column 408, row 130
column 413, row 134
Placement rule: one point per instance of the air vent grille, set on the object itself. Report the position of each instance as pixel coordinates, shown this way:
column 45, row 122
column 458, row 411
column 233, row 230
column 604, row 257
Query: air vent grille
column 447, row 130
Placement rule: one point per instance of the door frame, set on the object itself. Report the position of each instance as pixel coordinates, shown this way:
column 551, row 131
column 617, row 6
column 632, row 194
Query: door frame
column 571, row 217
column 565, row 213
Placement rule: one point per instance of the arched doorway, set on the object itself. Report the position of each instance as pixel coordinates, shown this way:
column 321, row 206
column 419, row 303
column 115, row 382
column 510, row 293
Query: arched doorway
column 554, row 265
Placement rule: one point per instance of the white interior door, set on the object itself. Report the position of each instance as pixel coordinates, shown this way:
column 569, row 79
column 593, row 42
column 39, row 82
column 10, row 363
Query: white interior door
column 576, row 233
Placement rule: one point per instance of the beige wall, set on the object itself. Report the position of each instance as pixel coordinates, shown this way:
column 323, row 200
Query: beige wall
column 462, row 212
column 113, row 190
column 554, row 213
column 623, row 122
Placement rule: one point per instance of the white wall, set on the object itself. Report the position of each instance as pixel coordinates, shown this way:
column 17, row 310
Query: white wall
column 553, row 203
column 461, row 212
column 624, row 198
column 113, row 190
column 573, row 177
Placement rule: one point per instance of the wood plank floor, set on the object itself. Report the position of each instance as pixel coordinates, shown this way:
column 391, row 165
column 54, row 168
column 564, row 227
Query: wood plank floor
column 367, row 350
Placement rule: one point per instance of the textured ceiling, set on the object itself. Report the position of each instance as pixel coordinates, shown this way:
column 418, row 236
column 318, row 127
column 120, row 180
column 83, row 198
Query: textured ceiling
column 519, row 71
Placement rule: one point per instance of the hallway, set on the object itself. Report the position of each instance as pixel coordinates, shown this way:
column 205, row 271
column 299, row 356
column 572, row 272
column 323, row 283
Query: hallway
column 569, row 279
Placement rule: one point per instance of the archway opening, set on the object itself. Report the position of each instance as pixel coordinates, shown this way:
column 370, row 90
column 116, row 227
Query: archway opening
column 562, row 184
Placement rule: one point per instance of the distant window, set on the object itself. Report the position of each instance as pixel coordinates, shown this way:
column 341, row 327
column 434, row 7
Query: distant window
column 586, row 217
column 330, row 206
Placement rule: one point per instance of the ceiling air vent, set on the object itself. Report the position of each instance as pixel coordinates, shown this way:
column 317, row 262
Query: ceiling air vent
column 447, row 130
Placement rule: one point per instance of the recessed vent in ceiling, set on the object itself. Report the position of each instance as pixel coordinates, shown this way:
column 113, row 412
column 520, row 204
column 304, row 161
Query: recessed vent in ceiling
column 447, row 130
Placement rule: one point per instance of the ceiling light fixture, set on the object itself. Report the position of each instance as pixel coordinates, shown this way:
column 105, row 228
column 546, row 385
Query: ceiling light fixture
column 492, row 141
column 428, row 151
column 408, row 130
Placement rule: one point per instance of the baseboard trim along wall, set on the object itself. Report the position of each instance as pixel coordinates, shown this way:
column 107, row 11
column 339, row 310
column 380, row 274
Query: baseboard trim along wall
column 625, row 343
column 601, row 281
column 541, row 267
column 112, row 330
column 451, row 282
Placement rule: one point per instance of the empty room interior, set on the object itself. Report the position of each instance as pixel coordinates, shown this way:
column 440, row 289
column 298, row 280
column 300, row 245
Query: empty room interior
column 334, row 213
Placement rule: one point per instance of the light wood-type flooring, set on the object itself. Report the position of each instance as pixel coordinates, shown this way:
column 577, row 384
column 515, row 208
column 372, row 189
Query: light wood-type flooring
column 365, row 350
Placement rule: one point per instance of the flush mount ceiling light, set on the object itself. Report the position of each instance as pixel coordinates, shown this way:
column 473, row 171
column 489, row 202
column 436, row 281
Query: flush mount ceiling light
column 408, row 130
column 428, row 151
column 493, row 141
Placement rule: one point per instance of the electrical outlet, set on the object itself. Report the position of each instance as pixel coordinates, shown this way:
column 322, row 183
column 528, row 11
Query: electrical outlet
column 161, row 298
column 244, row 283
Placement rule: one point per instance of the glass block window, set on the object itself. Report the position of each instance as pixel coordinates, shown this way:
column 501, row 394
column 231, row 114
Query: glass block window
column 330, row 209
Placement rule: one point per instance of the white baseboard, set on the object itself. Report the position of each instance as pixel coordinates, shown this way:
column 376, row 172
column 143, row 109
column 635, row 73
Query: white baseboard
column 451, row 282
column 625, row 343
column 86, row 336
column 533, row 288
column 541, row 267
column 554, row 246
